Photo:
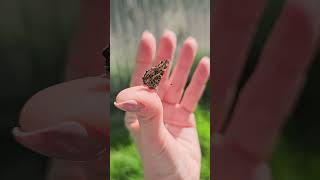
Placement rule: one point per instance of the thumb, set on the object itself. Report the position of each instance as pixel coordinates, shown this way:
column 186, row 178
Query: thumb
column 147, row 106
column 68, row 140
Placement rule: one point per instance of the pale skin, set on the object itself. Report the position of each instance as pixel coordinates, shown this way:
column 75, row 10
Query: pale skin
column 160, row 120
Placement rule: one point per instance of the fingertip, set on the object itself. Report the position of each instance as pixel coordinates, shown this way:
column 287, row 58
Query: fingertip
column 147, row 37
column 205, row 64
column 203, row 70
column 130, row 105
column 169, row 37
column 191, row 43
column 125, row 94
column 189, row 50
column 167, row 46
column 142, row 94
column 146, row 33
column 68, row 140
column 130, row 93
column 148, row 40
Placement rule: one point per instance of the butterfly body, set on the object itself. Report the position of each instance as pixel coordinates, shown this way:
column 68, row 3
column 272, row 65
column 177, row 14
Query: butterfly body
column 152, row 77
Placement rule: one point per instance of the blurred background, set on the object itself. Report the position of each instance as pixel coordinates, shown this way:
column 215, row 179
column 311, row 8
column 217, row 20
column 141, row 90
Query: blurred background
column 34, row 40
column 297, row 154
column 128, row 19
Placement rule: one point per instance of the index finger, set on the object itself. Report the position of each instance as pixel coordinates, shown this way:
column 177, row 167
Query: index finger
column 144, row 57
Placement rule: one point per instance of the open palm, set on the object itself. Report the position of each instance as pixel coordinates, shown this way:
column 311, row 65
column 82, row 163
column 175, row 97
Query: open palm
column 162, row 121
column 248, row 124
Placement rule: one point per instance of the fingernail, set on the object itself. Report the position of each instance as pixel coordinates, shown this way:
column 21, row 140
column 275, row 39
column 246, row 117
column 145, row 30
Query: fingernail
column 66, row 141
column 130, row 105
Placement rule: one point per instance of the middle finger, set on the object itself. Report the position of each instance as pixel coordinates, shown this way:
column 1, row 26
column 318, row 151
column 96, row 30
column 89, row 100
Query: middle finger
column 179, row 76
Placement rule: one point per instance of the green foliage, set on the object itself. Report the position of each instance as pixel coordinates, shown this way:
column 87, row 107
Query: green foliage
column 203, row 126
column 125, row 164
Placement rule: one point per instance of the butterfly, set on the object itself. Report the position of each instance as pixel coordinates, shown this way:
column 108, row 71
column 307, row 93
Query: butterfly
column 153, row 76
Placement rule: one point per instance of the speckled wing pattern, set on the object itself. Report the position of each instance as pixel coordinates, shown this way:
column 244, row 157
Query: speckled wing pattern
column 153, row 76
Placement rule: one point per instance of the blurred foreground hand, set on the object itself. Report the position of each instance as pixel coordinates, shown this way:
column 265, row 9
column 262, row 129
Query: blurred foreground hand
column 243, row 144
column 69, row 121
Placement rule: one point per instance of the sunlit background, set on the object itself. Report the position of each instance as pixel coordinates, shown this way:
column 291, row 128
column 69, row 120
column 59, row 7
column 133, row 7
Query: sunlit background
column 128, row 19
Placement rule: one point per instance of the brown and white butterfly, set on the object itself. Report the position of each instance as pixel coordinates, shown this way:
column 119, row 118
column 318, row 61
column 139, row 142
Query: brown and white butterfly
column 152, row 77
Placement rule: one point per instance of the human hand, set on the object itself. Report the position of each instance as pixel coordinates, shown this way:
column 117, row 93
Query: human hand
column 161, row 121
column 69, row 121
column 73, row 115
column 243, row 146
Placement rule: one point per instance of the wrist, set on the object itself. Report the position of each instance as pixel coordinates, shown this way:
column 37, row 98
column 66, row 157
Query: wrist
column 176, row 176
column 190, row 173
